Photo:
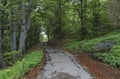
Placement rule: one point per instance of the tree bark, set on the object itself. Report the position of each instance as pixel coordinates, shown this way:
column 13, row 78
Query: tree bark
column 13, row 30
column 60, row 20
column 96, row 12
column 2, row 23
column 1, row 42
column 13, row 38
column 26, row 23
column 23, row 32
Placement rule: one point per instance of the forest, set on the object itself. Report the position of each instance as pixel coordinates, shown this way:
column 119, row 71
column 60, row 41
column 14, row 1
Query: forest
column 84, row 26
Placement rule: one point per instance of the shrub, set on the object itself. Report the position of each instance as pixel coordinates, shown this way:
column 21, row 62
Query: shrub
column 21, row 67
column 112, row 57
column 10, row 57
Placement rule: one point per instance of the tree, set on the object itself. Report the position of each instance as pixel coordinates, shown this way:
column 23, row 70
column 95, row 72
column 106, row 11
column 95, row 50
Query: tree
column 24, row 26
column 114, row 12
column 96, row 12
column 13, row 25
column 2, row 27
column 81, row 8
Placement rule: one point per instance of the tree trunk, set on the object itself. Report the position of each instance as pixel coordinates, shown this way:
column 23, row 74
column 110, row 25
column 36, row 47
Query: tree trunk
column 13, row 30
column 82, row 16
column 2, row 65
column 23, row 32
column 96, row 12
column 1, row 44
column 60, row 20
column 58, row 25
column 26, row 23
column 13, row 39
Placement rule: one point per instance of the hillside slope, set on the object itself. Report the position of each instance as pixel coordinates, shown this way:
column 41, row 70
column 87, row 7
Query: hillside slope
column 112, row 57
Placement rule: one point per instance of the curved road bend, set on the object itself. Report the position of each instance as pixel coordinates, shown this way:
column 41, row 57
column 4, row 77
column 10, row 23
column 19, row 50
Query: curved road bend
column 62, row 65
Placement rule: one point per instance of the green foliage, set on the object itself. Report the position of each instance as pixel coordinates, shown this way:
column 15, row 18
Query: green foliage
column 90, row 43
column 71, row 44
column 10, row 57
column 21, row 67
column 112, row 57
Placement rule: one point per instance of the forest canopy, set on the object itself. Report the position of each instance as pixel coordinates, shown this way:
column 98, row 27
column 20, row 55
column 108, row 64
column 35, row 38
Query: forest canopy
column 23, row 23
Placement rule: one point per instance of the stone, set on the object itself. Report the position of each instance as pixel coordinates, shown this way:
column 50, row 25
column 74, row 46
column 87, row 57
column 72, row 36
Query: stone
column 104, row 46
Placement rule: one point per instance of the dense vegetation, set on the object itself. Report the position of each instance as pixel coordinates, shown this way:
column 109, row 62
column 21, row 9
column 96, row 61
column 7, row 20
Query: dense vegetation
column 112, row 57
column 81, row 23
column 23, row 66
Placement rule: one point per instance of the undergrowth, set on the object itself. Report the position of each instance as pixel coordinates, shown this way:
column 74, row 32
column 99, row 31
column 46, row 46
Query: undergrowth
column 10, row 58
column 112, row 57
column 23, row 66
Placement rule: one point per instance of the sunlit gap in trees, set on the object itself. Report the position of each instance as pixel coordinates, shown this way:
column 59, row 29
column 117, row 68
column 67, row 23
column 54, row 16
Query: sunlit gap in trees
column 44, row 36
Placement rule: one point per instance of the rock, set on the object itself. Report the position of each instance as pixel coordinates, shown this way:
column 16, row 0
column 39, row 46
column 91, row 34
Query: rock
column 105, row 46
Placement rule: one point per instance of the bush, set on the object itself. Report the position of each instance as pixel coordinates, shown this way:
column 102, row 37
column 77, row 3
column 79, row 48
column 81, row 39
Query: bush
column 21, row 67
column 112, row 57
column 10, row 57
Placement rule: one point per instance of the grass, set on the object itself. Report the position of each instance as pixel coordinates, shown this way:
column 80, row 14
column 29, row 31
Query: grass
column 88, row 44
column 112, row 58
column 21, row 67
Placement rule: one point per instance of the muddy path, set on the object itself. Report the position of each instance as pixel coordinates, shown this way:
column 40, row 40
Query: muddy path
column 62, row 65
